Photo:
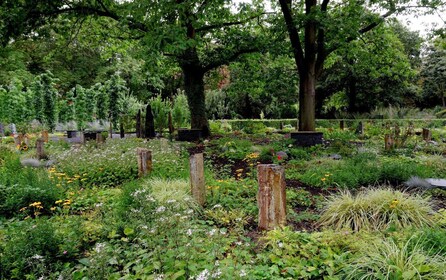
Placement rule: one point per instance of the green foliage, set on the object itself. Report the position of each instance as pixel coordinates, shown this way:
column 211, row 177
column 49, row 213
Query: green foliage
column 390, row 259
column 31, row 248
column 20, row 187
column 80, row 104
column 49, row 96
column 376, row 209
column 101, row 101
column 14, row 103
column 160, row 110
column 116, row 90
column 180, row 111
column 301, row 255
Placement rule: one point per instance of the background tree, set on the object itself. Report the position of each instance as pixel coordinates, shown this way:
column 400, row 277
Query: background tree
column 116, row 90
column 316, row 29
column 199, row 35
column 434, row 75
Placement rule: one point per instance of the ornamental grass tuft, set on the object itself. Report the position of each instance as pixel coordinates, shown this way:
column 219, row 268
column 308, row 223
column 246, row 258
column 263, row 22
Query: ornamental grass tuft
column 376, row 210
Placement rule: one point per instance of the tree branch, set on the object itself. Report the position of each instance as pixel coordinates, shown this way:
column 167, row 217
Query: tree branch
column 226, row 60
column 226, row 24
column 294, row 35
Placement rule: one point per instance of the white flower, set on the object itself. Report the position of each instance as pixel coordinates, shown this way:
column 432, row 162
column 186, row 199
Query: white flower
column 189, row 232
column 190, row 211
column 280, row 244
column 204, row 275
column 216, row 206
column 212, row 231
column 242, row 273
column 171, row 201
column 159, row 277
column 37, row 257
column 239, row 243
column 216, row 274
column 160, row 209
column 99, row 247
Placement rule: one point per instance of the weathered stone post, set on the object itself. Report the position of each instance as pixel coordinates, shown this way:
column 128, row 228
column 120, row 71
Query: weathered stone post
column 144, row 161
column 45, row 136
column 427, row 134
column 197, row 184
column 40, row 149
column 271, row 197
column 149, row 123
column 342, row 124
column 388, row 142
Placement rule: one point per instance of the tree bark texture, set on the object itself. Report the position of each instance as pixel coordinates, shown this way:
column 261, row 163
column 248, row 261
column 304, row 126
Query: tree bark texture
column 194, row 88
column 197, row 183
column 271, row 196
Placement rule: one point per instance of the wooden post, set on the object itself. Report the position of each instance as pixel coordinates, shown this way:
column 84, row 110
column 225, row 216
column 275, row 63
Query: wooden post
column 45, row 136
column 388, row 142
column 144, row 157
column 271, row 197
column 197, row 184
column 26, row 139
column 40, row 149
column 427, row 134
column 342, row 124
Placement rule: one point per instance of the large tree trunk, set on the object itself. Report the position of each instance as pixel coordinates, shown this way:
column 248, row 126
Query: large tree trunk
column 307, row 102
column 194, row 88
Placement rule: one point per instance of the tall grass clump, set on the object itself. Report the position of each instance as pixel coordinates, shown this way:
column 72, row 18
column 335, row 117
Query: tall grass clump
column 388, row 259
column 376, row 209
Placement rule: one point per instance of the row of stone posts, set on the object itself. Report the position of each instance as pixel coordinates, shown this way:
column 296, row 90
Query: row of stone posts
column 271, row 196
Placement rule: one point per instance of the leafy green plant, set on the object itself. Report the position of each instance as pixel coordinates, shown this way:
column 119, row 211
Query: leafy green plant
column 301, row 255
column 388, row 259
column 376, row 209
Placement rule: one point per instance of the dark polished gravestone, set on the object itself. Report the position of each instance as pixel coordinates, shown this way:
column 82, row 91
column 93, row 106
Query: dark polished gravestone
column 190, row 135
column 307, row 138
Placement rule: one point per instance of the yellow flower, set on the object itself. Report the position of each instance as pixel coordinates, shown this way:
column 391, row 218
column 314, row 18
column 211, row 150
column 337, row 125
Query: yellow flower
column 239, row 170
column 23, row 209
column 59, row 201
column 53, row 208
column 36, row 204
column 323, row 179
column 77, row 176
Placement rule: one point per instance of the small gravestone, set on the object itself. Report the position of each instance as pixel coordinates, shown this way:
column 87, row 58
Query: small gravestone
column 99, row 138
column 13, row 129
column 149, row 123
column 271, row 196
column 197, row 183
column 336, row 157
column 190, row 135
column 138, row 124
column 307, row 138
column 342, row 124
column 71, row 133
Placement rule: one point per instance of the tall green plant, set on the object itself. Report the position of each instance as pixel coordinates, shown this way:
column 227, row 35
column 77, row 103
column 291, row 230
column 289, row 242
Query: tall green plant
column 160, row 110
column 180, row 111
column 101, row 101
column 116, row 90
column 81, row 107
column 49, row 97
